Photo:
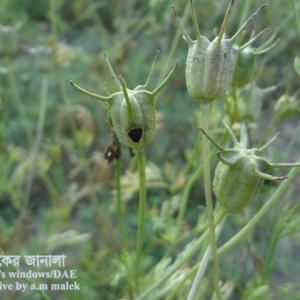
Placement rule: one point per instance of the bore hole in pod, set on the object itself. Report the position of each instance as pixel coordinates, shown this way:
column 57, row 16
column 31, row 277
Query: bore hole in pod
column 135, row 134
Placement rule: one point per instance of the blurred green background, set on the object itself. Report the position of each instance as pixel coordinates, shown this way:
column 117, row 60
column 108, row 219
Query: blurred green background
column 57, row 192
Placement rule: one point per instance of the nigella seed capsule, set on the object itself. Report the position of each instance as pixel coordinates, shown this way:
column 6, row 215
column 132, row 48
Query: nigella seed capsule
column 132, row 112
column 210, row 64
column 241, row 172
column 245, row 65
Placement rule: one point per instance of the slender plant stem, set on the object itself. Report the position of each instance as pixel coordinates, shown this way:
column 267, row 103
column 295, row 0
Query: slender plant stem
column 17, row 99
column 296, row 17
column 142, row 211
column 202, row 266
column 208, row 197
column 119, row 203
column 185, row 196
column 37, row 142
column 193, row 155
column 189, row 185
column 243, row 233
column 188, row 255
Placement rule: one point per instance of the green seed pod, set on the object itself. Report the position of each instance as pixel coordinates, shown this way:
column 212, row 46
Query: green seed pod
column 287, row 106
column 241, row 172
column 9, row 39
column 245, row 65
column 210, row 64
column 246, row 103
column 132, row 112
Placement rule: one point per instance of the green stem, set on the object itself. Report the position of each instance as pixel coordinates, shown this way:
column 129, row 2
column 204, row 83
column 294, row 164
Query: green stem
column 17, row 99
column 189, row 185
column 267, row 131
column 202, row 266
column 119, row 201
column 208, row 197
column 188, row 255
column 185, row 196
column 142, row 211
column 242, row 234
column 296, row 17
column 37, row 142
column 193, row 155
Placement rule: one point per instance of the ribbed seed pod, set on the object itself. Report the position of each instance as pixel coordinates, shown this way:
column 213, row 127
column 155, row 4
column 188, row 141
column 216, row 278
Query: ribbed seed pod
column 132, row 112
column 241, row 172
column 210, row 65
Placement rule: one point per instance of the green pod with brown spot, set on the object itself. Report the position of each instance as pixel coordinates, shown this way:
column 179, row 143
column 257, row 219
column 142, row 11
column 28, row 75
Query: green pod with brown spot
column 132, row 112
column 134, row 124
column 241, row 172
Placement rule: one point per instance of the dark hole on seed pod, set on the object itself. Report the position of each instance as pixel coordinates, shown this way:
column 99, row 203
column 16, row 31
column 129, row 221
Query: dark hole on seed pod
column 135, row 134
column 225, row 55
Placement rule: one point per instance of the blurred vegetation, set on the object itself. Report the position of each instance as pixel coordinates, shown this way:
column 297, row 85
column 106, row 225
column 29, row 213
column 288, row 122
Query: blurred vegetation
column 57, row 192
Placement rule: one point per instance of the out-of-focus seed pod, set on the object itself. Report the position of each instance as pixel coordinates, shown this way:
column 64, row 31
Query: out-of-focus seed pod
column 246, row 103
column 9, row 39
column 132, row 112
column 210, row 64
column 245, row 65
column 241, row 172
column 42, row 58
column 287, row 106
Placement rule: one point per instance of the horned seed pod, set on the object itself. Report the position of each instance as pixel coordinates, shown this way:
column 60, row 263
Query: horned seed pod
column 210, row 64
column 132, row 112
column 241, row 172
